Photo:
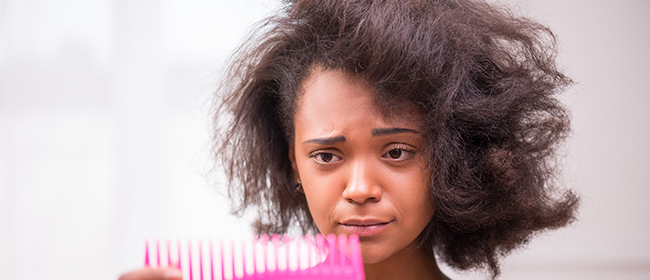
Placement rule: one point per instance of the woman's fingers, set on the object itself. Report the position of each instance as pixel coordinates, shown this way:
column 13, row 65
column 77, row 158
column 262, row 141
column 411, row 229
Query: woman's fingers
column 153, row 274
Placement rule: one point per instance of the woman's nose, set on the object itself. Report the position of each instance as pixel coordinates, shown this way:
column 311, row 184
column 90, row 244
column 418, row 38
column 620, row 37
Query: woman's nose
column 362, row 184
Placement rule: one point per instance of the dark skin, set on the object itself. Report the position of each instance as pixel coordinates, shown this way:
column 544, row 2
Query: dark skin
column 363, row 173
column 421, row 268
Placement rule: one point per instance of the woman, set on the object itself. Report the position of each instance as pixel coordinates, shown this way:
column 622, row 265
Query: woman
column 426, row 127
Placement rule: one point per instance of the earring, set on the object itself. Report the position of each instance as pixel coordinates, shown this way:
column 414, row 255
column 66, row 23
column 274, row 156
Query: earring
column 299, row 187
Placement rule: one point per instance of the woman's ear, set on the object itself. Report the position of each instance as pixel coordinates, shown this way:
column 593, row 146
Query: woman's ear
column 292, row 158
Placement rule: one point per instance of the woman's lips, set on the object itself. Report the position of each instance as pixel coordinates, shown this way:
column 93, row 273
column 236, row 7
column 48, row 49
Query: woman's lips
column 366, row 227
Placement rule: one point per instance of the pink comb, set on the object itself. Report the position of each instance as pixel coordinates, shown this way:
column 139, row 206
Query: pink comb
column 274, row 258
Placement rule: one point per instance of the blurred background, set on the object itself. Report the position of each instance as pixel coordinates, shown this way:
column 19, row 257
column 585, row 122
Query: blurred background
column 105, row 134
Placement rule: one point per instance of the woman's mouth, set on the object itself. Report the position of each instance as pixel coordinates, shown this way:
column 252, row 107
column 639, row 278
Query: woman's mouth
column 365, row 227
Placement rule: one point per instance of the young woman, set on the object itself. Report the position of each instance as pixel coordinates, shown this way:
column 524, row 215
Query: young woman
column 427, row 127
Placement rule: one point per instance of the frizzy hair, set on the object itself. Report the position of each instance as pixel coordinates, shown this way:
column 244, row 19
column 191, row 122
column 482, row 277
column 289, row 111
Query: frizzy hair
column 484, row 81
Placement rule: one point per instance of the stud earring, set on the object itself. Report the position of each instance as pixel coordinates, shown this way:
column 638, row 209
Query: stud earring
column 299, row 187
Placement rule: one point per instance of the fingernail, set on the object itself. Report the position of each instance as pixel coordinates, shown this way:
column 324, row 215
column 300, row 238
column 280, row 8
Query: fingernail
column 172, row 274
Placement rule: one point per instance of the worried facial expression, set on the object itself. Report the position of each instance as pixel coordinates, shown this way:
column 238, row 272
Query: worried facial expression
column 361, row 172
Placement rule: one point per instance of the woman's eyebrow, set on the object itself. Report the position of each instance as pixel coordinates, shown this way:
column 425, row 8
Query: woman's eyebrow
column 326, row 141
column 392, row 130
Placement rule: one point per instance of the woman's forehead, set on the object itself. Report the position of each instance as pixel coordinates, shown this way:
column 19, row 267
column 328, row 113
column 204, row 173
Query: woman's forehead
column 336, row 103
column 332, row 87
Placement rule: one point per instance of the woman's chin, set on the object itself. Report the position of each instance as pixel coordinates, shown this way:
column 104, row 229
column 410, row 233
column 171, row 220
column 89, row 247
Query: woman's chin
column 371, row 256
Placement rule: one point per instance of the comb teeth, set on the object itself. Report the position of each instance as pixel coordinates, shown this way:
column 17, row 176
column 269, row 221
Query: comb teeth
column 267, row 257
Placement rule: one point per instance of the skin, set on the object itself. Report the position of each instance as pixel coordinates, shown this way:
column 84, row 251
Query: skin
column 363, row 173
column 168, row 273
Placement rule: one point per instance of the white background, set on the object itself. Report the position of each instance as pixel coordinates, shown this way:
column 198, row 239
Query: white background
column 105, row 134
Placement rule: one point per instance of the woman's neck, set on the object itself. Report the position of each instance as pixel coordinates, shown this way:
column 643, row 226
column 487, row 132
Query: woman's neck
column 409, row 263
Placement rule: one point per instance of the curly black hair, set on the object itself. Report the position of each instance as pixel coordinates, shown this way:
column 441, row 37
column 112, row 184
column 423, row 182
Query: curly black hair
column 484, row 80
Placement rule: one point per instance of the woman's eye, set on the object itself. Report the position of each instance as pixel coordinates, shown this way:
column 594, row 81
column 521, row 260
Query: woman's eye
column 395, row 154
column 325, row 158
column 398, row 154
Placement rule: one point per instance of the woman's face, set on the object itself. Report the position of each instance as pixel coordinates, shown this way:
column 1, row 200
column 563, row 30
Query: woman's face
column 361, row 172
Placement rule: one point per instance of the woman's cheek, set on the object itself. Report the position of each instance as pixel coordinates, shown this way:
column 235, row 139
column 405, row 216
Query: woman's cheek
column 321, row 198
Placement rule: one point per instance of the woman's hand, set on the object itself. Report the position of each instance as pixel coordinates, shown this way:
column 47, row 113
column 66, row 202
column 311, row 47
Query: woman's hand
column 148, row 273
